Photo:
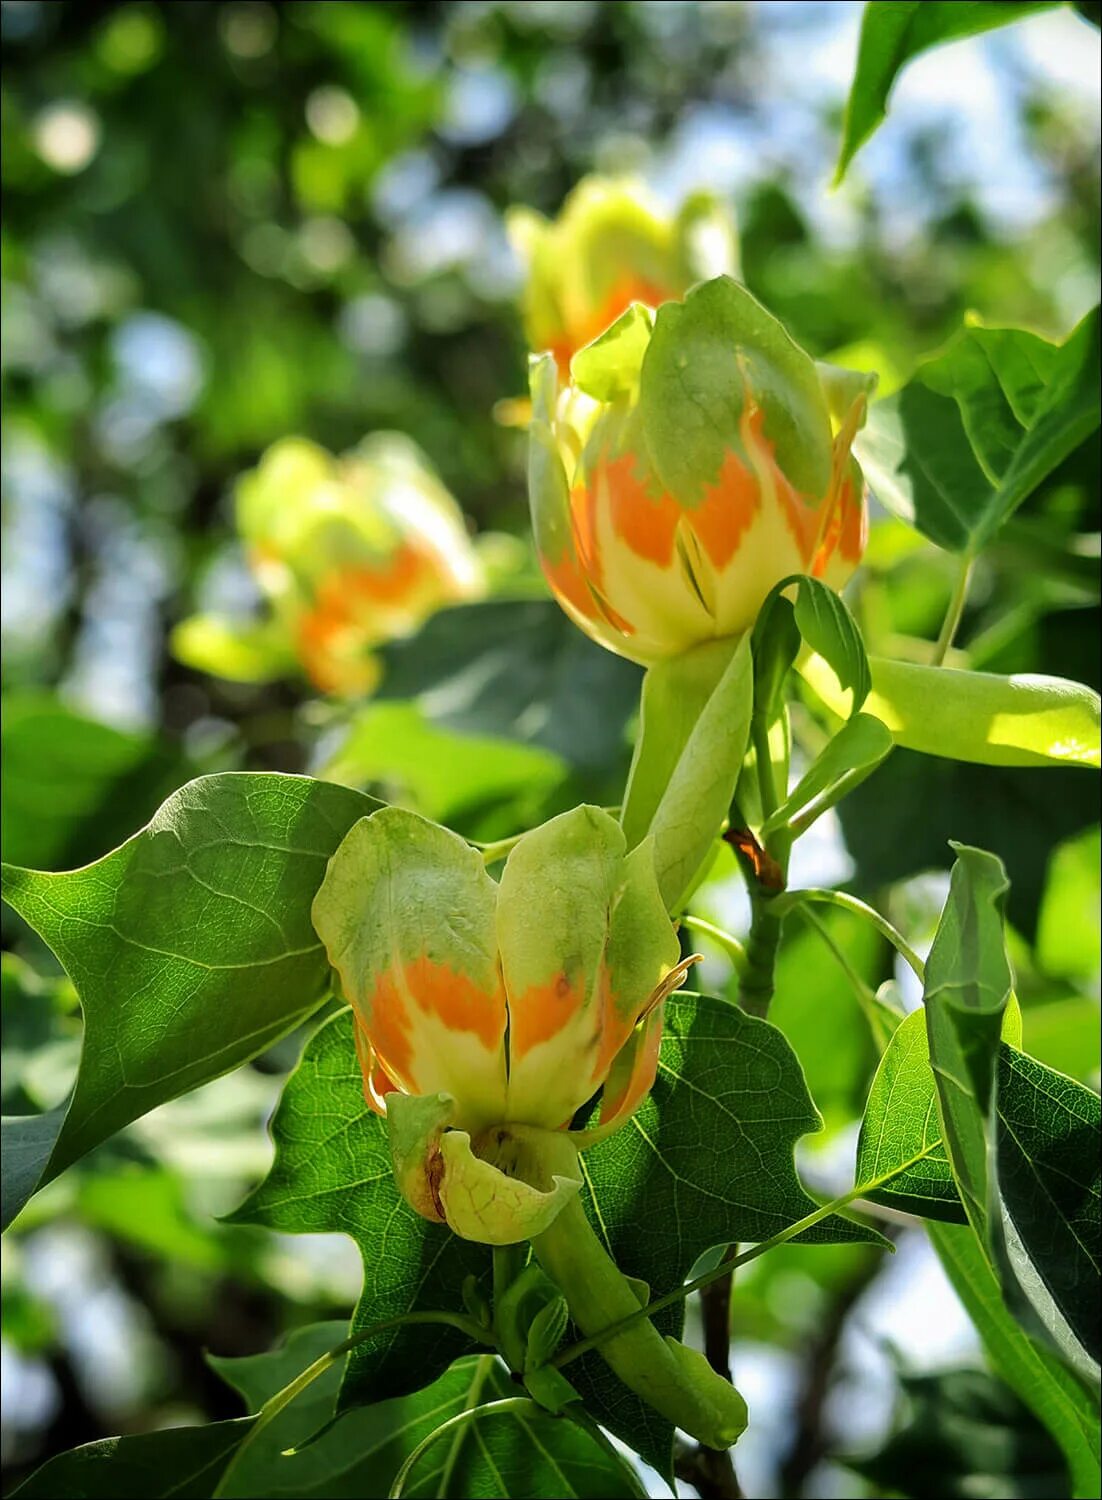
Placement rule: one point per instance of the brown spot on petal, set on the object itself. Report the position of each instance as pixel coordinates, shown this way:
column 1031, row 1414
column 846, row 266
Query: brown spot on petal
column 434, row 1176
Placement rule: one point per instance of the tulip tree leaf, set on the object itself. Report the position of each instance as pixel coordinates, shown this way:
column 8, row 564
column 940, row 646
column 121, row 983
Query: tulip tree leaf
column 332, row 1172
column 1046, row 1132
column 185, row 1463
column 901, row 1131
column 895, row 31
column 707, row 1160
column 1048, row 1143
column 695, row 724
column 821, row 619
column 1063, row 1403
column 191, row 945
column 26, row 1143
column 978, row 427
column 1023, row 1140
column 1025, row 719
column 828, row 628
column 362, row 1453
column 967, row 989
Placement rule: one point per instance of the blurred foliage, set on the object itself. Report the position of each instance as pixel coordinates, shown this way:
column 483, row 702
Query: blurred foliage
column 964, row 1434
column 228, row 223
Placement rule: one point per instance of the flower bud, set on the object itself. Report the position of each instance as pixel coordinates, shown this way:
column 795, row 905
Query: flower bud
column 611, row 246
column 349, row 552
column 689, row 464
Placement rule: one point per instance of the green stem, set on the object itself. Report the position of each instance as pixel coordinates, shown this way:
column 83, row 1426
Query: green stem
column 866, row 995
column 615, row 1330
column 676, row 1381
column 481, row 1374
column 470, row 1414
column 734, row 950
column 791, row 899
column 953, row 613
column 756, row 983
column 508, row 1262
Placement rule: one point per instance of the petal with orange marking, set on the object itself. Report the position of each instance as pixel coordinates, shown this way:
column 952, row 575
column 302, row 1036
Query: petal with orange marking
column 584, row 940
column 727, row 510
column 844, row 546
column 630, row 1078
column 376, row 1082
column 633, row 536
column 406, row 913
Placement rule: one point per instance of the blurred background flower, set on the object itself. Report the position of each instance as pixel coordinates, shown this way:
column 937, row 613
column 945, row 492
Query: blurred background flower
column 347, row 553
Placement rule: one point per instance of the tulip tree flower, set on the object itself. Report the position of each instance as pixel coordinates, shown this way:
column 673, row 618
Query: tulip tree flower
column 694, row 459
column 611, row 245
column 486, row 1015
column 349, row 552
column 480, row 1005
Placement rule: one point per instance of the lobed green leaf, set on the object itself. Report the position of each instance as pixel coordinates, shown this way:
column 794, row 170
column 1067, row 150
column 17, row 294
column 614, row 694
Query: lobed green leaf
column 979, row 426
column 191, row 948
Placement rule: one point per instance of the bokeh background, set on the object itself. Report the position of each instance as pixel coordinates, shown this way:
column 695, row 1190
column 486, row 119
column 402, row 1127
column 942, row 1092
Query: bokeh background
column 229, row 222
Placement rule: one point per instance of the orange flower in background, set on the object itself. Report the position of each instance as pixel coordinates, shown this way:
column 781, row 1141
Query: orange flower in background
column 348, row 552
column 612, row 245
column 484, row 1009
column 694, row 458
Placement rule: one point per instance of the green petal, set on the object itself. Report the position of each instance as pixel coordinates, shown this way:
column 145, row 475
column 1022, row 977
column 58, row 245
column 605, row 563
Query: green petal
column 705, row 356
column 584, row 941
column 406, row 913
column 482, row 1203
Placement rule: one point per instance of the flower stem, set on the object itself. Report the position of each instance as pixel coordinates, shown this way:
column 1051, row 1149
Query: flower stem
column 954, row 611
column 730, row 944
column 594, row 1341
column 676, row 1381
column 756, row 983
column 847, row 902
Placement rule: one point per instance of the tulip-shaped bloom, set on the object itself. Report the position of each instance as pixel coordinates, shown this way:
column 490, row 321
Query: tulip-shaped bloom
column 696, row 457
column 349, row 552
column 486, row 1015
column 611, row 245
column 484, row 1010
